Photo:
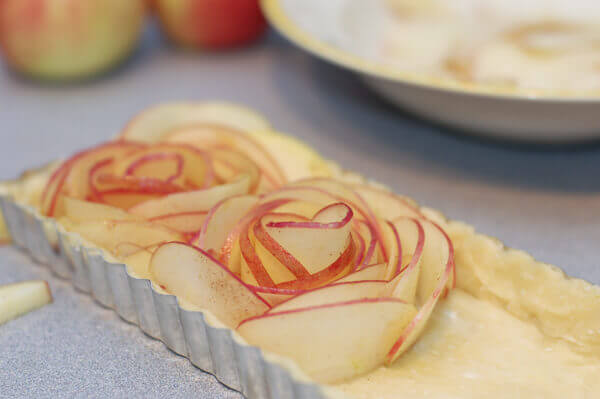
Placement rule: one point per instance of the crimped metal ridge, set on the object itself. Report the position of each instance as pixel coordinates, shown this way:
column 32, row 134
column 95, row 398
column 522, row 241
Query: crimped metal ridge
column 214, row 350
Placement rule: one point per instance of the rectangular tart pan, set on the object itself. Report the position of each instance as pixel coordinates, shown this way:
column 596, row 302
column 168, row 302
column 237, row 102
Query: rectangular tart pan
column 194, row 334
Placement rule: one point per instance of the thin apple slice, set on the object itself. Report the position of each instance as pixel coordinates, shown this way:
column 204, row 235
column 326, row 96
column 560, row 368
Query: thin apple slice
column 332, row 342
column 126, row 198
column 20, row 298
column 371, row 272
column 109, row 234
column 221, row 219
column 213, row 136
column 191, row 201
column 313, row 245
column 195, row 276
column 333, row 293
column 125, row 249
column 84, row 211
column 275, row 296
column 347, row 194
column 403, row 285
column 394, row 249
column 77, row 181
column 437, row 260
column 4, row 234
column 260, row 261
column 437, row 266
column 189, row 165
column 369, row 246
column 386, row 204
column 182, row 222
column 72, row 177
column 139, row 263
column 153, row 123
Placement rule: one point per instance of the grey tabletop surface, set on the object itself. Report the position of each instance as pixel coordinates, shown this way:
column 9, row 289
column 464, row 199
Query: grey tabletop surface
column 544, row 201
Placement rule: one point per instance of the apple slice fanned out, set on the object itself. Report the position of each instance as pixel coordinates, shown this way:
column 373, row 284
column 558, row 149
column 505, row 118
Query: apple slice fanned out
column 153, row 123
column 404, row 284
column 332, row 342
column 367, row 273
column 191, row 201
column 221, row 219
column 436, row 270
column 386, row 204
column 72, row 177
column 333, row 293
column 79, row 211
column 20, row 298
column 182, row 222
column 110, row 234
column 311, row 245
column 231, row 142
column 190, row 273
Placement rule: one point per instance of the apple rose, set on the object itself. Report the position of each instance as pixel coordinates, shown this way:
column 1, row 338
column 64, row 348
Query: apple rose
column 129, row 192
column 340, row 277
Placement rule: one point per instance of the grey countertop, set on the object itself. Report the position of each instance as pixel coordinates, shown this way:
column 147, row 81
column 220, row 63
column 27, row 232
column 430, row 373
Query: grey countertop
column 546, row 202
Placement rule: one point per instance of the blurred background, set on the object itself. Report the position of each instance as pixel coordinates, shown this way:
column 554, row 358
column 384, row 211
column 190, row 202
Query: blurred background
column 544, row 200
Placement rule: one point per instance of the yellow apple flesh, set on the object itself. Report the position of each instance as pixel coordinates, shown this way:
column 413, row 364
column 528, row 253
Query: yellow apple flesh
column 20, row 298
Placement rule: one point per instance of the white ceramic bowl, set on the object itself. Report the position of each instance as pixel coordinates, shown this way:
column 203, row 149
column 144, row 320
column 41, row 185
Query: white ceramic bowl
column 505, row 112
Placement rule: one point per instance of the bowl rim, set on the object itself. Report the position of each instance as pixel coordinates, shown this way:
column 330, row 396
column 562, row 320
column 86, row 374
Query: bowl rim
column 281, row 21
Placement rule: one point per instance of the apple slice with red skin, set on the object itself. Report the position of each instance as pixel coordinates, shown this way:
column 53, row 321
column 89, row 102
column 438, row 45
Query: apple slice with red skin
column 386, row 204
column 72, row 176
column 79, row 211
column 403, row 285
column 345, row 193
column 368, row 244
column 307, row 246
column 108, row 234
column 228, row 165
column 436, row 269
column 191, row 201
column 371, row 272
column 268, row 271
column 215, row 136
column 341, row 266
column 333, row 293
column 127, row 248
column 152, row 124
column 392, row 243
column 242, row 224
column 335, row 341
column 192, row 165
column 182, row 222
column 221, row 219
column 126, row 198
column 273, row 295
column 192, row 274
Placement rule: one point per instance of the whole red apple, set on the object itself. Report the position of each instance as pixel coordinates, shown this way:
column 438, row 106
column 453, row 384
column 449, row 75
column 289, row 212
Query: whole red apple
column 211, row 24
column 66, row 39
